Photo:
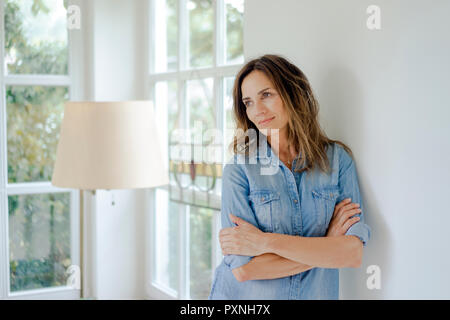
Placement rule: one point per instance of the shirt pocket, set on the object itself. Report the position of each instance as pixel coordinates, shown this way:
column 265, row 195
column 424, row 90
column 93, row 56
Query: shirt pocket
column 325, row 201
column 265, row 204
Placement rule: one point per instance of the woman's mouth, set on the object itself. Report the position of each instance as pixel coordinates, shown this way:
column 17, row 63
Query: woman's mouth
column 263, row 122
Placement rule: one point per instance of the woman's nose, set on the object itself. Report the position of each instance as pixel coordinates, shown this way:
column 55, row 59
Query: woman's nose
column 260, row 108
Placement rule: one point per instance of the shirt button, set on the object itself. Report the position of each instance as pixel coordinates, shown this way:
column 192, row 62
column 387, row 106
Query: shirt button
column 262, row 199
column 295, row 201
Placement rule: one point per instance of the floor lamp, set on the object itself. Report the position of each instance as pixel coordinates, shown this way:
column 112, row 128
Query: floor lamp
column 108, row 145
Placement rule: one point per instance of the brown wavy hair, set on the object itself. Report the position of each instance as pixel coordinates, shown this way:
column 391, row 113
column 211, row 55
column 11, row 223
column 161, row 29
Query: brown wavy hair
column 304, row 131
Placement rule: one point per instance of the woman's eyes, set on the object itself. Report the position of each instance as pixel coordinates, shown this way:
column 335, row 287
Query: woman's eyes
column 265, row 94
column 246, row 103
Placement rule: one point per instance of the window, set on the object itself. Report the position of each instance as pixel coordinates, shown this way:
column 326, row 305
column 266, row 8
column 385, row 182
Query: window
column 39, row 231
column 196, row 51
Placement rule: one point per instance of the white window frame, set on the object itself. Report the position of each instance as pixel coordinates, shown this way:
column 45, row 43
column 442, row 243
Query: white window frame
column 73, row 81
column 218, row 72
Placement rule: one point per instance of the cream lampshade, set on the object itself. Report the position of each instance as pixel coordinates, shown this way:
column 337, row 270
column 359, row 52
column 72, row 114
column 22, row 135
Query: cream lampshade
column 108, row 145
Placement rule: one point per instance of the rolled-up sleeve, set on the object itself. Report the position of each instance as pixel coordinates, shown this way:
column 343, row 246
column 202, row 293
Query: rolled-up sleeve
column 349, row 188
column 235, row 190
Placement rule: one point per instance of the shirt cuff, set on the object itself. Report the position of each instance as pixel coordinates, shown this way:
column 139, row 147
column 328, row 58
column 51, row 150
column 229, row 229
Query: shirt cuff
column 235, row 261
column 361, row 230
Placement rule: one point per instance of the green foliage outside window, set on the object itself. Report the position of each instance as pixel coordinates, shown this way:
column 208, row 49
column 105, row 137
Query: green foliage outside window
column 33, row 51
column 39, row 240
column 39, row 224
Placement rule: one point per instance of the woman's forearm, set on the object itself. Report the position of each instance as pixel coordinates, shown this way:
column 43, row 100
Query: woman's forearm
column 269, row 266
column 323, row 252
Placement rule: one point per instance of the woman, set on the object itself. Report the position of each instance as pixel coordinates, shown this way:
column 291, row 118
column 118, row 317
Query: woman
column 296, row 226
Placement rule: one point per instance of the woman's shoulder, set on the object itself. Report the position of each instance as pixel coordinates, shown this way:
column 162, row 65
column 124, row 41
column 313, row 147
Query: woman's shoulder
column 242, row 165
column 341, row 151
column 340, row 156
column 234, row 163
column 235, row 172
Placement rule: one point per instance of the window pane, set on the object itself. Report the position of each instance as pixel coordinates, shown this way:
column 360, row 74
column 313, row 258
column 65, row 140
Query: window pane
column 170, row 117
column 166, row 241
column 229, row 122
column 201, row 118
column 166, row 35
column 39, row 240
column 166, row 106
column 201, row 110
column 234, row 31
column 201, row 33
column 167, row 95
column 35, row 37
column 200, row 246
column 34, row 116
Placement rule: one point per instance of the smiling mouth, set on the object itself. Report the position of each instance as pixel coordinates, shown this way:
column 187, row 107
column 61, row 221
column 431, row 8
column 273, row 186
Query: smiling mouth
column 266, row 121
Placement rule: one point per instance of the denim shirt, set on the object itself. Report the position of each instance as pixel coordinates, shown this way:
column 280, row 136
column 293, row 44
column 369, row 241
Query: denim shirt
column 280, row 200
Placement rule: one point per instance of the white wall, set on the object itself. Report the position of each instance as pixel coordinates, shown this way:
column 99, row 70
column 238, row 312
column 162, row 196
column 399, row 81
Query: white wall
column 386, row 94
column 118, row 72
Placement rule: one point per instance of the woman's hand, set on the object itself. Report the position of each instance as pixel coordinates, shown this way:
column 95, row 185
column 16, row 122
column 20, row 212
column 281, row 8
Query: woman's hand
column 245, row 239
column 341, row 221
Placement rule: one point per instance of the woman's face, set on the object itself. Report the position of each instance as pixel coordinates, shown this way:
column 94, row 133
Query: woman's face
column 263, row 104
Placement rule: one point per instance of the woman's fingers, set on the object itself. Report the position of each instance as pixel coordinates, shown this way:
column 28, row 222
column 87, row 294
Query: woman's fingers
column 348, row 214
column 237, row 220
column 342, row 217
column 343, row 206
column 228, row 234
column 340, row 205
column 350, row 206
column 227, row 237
column 229, row 248
column 227, row 231
column 349, row 223
column 225, row 244
column 346, row 208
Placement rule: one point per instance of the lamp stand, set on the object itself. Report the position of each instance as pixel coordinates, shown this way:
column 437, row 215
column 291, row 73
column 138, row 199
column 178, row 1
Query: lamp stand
column 81, row 244
column 82, row 236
